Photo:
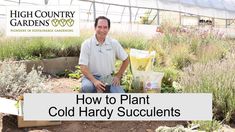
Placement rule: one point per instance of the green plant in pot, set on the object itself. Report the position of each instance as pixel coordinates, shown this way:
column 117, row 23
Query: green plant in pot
column 107, row 80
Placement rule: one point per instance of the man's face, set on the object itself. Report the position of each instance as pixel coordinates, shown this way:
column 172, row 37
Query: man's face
column 102, row 28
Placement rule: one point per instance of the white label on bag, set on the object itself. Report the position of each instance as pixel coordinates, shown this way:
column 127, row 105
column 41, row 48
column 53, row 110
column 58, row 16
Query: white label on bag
column 151, row 85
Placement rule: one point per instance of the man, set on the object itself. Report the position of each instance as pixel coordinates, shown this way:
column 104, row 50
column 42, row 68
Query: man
column 97, row 59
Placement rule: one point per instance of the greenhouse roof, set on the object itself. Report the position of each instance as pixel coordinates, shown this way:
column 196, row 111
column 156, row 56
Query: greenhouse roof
column 224, row 9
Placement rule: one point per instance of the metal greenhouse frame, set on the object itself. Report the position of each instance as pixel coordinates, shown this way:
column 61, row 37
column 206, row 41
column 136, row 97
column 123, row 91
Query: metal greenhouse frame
column 130, row 10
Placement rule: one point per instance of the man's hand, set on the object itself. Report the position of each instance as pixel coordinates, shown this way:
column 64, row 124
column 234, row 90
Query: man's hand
column 117, row 78
column 116, row 81
column 99, row 85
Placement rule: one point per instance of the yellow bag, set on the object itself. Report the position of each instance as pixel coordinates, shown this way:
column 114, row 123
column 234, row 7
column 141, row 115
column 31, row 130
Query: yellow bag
column 141, row 67
column 141, row 60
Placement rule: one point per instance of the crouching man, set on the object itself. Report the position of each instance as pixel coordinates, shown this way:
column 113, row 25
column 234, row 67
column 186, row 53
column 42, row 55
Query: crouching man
column 97, row 59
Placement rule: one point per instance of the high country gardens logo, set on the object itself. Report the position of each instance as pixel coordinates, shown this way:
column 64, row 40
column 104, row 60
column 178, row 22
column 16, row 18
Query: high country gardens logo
column 42, row 21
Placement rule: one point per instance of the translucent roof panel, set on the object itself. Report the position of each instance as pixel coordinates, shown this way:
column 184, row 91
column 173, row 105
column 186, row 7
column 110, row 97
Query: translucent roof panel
column 189, row 9
column 176, row 1
column 75, row 2
column 188, row 2
column 152, row 16
column 134, row 2
column 2, row 10
column 204, row 3
column 118, row 14
column 53, row 2
column 230, row 14
column 208, row 12
column 102, row 9
column 220, row 14
column 125, row 16
column 134, row 12
column 169, row 5
column 119, row 2
column 170, row 1
column 64, row 2
column 146, row 3
column 33, row 2
column 217, row 4
column 9, row 2
column 229, row 5
column 86, row 11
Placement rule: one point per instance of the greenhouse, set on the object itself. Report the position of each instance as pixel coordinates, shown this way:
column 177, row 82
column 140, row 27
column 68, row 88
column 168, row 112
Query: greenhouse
column 137, row 15
column 169, row 63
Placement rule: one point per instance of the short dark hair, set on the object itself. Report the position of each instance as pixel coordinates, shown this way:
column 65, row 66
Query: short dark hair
column 102, row 17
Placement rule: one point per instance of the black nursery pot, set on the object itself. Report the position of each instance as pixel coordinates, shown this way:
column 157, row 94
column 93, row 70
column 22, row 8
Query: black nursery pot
column 107, row 88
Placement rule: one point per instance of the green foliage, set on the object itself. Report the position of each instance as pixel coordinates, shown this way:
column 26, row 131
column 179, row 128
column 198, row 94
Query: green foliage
column 77, row 88
column 126, row 81
column 177, row 47
column 207, row 126
column 181, row 47
column 181, row 56
column 68, row 73
column 178, row 128
column 64, row 73
column 162, row 56
column 171, row 75
column 216, row 77
column 40, row 48
column 15, row 81
column 107, row 80
column 128, row 40
column 145, row 18
column 167, row 89
column 77, row 74
column 208, row 52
